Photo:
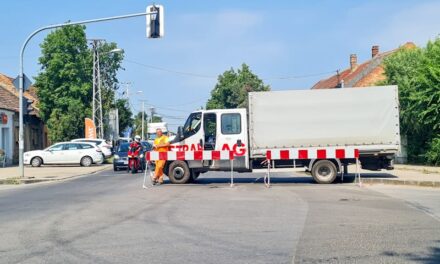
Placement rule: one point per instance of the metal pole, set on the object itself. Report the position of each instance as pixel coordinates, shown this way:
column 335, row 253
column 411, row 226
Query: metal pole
column 143, row 117
column 232, row 173
column 100, row 124
column 21, row 72
column 358, row 172
column 94, row 81
column 152, row 113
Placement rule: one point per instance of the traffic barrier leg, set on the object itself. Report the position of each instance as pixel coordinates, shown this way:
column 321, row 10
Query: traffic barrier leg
column 267, row 176
column 358, row 174
column 148, row 172
column 145, row 177
column 232, row 173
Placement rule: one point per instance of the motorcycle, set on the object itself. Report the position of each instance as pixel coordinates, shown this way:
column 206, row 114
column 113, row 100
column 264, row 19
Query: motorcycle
column 135, row 156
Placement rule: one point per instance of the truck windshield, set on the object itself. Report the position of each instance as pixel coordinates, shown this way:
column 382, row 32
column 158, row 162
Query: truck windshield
column 192, row 124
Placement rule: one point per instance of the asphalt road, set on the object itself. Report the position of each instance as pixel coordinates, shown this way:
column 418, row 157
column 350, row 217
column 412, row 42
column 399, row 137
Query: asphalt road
column 109, row 218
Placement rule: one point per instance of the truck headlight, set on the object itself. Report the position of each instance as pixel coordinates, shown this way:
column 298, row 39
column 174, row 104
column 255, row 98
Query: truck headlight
column 116, row 156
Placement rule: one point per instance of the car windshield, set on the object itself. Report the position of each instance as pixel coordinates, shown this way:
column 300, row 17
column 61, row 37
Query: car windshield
column 123, row 147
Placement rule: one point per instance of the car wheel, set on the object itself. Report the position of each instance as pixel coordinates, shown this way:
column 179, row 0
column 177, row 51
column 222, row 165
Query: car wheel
column 36, row 162
column 324, row 171
column 86, row 161
column 101, row 161
column 179, row 172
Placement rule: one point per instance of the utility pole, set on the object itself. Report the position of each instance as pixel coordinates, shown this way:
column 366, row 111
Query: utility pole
column 143, row 118
column 152, row 113
column 97, row 96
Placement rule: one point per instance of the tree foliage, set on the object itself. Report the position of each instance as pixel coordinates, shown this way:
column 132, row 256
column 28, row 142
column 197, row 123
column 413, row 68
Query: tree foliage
column 232, row 88
column 124, row 112
column 64, row 84
column 417, row 73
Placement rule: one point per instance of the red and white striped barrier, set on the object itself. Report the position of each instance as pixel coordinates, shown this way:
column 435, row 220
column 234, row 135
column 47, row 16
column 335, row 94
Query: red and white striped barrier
column 190, row 155
column 313, row 153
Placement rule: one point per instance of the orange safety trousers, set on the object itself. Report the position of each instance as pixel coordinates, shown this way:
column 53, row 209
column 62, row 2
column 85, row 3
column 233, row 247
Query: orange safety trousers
column 158, row 172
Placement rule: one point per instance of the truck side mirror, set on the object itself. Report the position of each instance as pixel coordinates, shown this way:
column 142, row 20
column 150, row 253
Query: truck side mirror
column 180, row 133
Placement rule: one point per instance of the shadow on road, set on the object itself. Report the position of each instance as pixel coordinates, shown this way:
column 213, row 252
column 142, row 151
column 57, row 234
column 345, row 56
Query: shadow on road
column 432, row 258
column 238, row 180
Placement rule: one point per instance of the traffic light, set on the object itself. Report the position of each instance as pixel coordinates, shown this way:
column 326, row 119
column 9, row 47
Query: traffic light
column 155, row 25
column 27, row 106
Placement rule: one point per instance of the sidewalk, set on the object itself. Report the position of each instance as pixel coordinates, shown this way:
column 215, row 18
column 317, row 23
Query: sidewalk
column 403, row 175
column 10, row 175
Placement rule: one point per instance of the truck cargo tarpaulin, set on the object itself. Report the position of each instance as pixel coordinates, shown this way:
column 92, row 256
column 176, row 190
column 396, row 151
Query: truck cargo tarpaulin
column 364, row 116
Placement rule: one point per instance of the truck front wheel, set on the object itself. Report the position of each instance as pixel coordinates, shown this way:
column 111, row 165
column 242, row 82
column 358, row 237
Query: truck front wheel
column 324, row 171
column 179, row 172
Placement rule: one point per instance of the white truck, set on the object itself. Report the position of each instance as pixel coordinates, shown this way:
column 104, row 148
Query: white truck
column 151, row 130
column 363, row 118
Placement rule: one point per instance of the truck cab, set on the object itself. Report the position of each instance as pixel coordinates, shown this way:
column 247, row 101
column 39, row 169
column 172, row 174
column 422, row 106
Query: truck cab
column 221, row 129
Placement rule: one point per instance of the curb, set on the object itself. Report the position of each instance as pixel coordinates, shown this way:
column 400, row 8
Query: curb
column 18, row 181
column 434, row 184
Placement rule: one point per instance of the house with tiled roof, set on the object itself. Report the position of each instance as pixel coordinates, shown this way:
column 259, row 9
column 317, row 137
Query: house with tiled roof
column 368, row 73
column 35, row 132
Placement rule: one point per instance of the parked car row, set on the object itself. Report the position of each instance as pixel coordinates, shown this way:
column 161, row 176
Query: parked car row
column 82, row 153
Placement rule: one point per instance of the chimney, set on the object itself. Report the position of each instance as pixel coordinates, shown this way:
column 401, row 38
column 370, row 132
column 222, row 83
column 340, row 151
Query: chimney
column 353, row 61
column 374, row 51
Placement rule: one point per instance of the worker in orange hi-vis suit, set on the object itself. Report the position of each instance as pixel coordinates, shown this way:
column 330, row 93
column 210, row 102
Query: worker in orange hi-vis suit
column 161, row 144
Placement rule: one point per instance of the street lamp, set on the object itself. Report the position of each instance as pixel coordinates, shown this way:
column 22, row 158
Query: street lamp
column 117, row 50
column 21, row 70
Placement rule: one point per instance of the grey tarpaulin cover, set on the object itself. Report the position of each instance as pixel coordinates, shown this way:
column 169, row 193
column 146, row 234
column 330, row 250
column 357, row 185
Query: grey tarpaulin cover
column 325, row 117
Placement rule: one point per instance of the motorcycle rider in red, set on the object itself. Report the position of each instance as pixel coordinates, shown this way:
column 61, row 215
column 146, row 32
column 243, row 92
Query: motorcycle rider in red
column 136, row 143
column 135, row 149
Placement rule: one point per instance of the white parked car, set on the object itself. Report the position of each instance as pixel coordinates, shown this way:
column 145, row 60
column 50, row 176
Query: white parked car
column 81, row 153
column 105, row 146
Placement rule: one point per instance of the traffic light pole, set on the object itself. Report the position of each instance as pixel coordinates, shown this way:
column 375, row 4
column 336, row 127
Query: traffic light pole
column 21, row 72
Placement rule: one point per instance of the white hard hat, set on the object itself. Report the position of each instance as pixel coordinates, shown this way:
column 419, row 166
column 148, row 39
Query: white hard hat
column 137, row 137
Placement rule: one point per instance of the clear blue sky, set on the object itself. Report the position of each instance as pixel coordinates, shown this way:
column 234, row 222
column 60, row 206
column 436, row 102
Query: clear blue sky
column 286, row 39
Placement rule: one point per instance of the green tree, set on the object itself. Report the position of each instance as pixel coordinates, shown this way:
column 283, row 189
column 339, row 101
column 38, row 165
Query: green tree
column 137, row 124
column 64, row 84
column 232, row 88
column 124, row 112
column 110, row 63
column 417, row 73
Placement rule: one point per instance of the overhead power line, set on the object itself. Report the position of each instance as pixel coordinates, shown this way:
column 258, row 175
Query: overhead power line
column 198, row 75
column 172, row 71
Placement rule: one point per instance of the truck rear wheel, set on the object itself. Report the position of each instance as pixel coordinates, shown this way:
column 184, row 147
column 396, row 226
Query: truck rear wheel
column 324, row 171
column 179, row 172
